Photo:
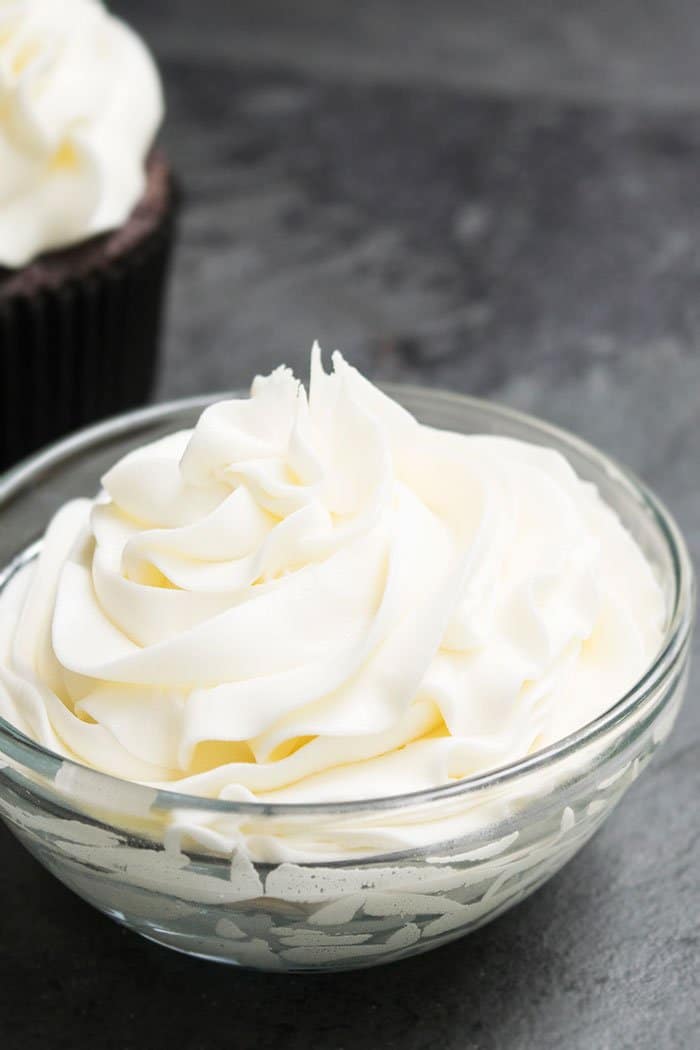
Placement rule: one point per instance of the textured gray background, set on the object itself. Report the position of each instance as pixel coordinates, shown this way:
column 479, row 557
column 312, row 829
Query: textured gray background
column 497, row 198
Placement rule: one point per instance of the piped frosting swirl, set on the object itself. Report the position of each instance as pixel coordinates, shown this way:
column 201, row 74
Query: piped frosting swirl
column 80, row 104
column 311, row 599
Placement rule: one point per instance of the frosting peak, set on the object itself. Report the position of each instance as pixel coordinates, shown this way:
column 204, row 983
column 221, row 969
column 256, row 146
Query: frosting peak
column 80, row 103
column 319, row 599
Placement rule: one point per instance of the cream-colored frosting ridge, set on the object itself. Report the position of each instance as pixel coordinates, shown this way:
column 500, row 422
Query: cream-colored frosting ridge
column 80, row 103
column 309, row 599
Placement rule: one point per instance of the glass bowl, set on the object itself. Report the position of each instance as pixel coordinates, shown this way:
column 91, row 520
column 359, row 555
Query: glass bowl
column 337, row 896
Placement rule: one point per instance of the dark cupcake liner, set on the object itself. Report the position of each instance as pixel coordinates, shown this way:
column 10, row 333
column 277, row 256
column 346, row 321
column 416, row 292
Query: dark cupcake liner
column 84, row 350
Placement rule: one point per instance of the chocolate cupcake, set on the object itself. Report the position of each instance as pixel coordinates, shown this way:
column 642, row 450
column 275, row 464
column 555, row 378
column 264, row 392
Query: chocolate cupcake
column 87, row 211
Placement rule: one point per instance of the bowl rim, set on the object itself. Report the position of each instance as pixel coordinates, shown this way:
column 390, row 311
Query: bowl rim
column 670, row 652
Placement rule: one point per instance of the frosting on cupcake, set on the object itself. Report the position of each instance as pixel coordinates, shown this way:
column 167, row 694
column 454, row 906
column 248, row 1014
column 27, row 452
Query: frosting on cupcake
column 80, row 104
column 319, row 599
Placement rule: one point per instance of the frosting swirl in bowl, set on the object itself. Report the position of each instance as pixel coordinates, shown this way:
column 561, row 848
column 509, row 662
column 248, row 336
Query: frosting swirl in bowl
column 307, row 600
column 80, row 103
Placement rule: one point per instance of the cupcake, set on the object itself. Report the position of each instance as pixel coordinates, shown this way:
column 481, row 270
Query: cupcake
column 86, row 219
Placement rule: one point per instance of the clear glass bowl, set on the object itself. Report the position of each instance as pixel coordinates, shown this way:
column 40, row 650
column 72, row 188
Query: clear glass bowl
column 121, row 847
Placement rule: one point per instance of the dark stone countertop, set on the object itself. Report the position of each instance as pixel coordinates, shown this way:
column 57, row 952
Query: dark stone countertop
column 502, row 202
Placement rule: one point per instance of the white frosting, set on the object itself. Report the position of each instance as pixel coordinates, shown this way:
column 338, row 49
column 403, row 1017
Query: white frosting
column 80, row 103
column 307, row 600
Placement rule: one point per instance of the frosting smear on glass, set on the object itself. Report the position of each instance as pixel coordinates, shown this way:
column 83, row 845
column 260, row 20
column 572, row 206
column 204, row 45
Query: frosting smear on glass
column 310, row 599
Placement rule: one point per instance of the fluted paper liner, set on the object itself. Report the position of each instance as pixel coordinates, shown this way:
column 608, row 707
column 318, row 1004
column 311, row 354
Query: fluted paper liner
column 84, row 350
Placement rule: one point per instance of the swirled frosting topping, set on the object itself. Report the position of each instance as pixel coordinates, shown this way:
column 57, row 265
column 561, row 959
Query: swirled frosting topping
column 80, row 103
column 319, row 599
